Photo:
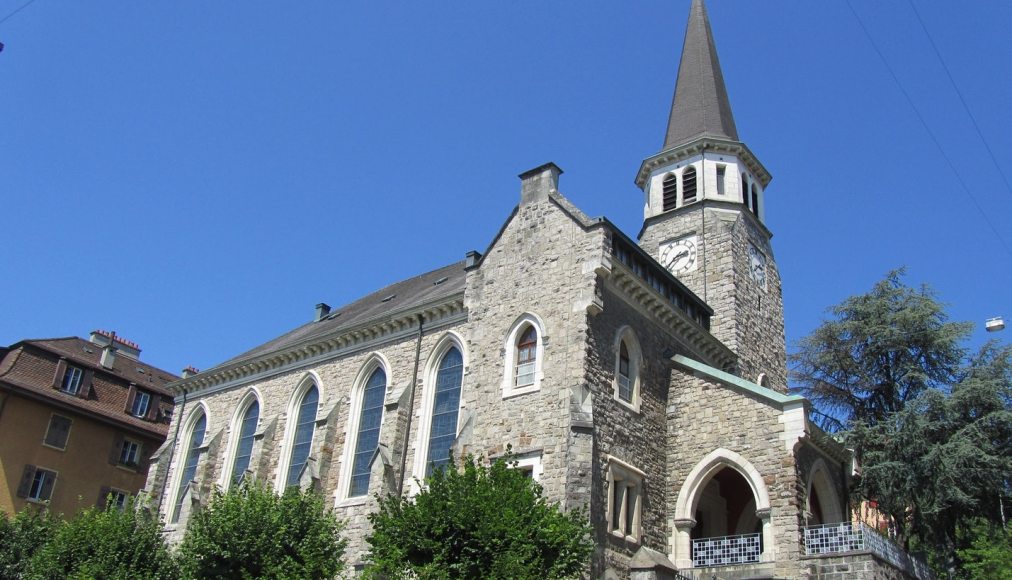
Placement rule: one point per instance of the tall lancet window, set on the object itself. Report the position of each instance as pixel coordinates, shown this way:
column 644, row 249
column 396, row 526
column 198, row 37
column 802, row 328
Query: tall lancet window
column 744, row 192
column 689, row 185
column 244, row 450
column 368, row 431
column 755, row 200
column 445, row 409
column 625, row 390
column 670, row 192
column 190, row 461
column 302, row 442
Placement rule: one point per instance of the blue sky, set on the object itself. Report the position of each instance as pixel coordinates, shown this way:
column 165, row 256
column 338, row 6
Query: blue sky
column 198, row 175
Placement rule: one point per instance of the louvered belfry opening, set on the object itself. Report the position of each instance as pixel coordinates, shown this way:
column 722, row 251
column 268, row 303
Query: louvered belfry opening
column 670, row 190
column 689, row 185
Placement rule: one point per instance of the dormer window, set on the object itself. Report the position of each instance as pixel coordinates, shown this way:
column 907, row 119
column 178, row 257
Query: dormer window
column 141, row 404
column 72, row 380
column 689, row 185
column 670, row 192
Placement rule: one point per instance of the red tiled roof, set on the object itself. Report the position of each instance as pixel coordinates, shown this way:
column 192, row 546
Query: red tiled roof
column 27, row 369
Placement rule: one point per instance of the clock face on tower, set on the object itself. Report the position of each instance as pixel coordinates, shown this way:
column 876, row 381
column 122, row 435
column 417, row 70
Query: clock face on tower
column 679, row 256
column 757, row 265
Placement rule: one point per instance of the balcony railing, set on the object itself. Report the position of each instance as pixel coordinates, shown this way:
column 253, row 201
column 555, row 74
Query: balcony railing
column 848, row 537
column 726, row 550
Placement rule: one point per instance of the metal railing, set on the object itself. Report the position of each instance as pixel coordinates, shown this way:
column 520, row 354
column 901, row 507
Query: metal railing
column 849, row 537
column 726, row 550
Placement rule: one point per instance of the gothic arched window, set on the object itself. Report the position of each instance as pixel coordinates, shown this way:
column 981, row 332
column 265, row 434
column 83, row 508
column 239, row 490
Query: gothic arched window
column 302, row 439
column 244, row 446
column 627, row 368
column 755, row 200
column 527, row 358
column 190, row 460
column 744, row 192
column 689, row 185
column 670, row 193
column 367, row 437
column 445, row 409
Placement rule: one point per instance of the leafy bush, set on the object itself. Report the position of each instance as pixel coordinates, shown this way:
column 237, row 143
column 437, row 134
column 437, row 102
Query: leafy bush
column 113, row 544
column 22, row 536
column 251, row 532
column 478, row 522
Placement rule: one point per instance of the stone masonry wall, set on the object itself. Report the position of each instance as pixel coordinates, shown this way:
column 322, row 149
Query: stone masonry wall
column 704, row 416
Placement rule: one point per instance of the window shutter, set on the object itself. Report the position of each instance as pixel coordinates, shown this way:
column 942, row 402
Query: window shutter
column 131, row 395
column 61, row 369
column 103, row 497
column 47, row 488
column 153, row 407
column 142, row 457
column 117, row 445
column 27, row 476
column 85, row 391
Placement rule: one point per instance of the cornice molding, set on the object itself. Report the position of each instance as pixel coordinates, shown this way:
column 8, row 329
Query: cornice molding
column 312, row 351
column 685, row 330
column 699, row 146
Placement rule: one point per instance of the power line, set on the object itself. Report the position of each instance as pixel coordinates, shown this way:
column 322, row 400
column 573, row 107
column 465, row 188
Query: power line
column 16, row 10
column 959, row 93
column 931, row 134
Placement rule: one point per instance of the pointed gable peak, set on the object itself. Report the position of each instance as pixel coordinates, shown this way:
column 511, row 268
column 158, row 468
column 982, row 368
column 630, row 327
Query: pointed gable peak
column 700, row 107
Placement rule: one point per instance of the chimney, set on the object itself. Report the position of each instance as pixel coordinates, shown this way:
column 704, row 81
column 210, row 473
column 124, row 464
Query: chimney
column 471, row 259
column 122, row 346
column 536, row 183
column 189, row 371
column 108, row 356
column 322, row 310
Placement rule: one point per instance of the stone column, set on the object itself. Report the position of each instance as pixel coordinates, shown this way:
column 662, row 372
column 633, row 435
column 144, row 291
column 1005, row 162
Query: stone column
column 767, row 535
column 682, row 549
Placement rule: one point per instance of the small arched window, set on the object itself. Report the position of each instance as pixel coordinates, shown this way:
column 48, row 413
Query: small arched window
column 624, row 377
column 627, row 368
column 689, row 185
column 755, row 200
column 367, row 438
column 302, row 441
column 527, row 358
column 445, row 410
column 670, row 193
column 190, row 461
column 244, row 449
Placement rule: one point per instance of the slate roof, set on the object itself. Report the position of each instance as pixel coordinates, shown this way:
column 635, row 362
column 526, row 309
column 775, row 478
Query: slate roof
column 700, row 107
column 382, row 304
column 23, row 370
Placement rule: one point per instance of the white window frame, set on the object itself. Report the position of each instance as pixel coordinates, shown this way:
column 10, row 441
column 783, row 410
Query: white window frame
column 77, row 377
column 511, row 354
column 140, row 395
column 136, row 446
column 235, row 431
column 291, row 423
column 119, row 498
column 450, row 339
column 621, row 475
column 632, row 344
column 531, row 462
column 374, row 361
column 43, row 471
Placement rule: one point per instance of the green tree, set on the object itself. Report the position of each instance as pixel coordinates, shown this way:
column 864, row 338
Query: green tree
column 477, row 522
column 989, row 556
column 252, row 532
column 881, row 350
column 944, row 461
column 114, row 544
column 22, row 536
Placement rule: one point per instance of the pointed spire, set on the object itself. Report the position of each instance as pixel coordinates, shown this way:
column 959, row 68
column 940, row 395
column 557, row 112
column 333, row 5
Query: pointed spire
column 700, row 107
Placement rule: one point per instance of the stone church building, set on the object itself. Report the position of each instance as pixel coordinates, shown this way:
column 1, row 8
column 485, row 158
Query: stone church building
column 644, row 378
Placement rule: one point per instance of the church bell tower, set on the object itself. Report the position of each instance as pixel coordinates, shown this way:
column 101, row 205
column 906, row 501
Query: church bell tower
column 704, row 213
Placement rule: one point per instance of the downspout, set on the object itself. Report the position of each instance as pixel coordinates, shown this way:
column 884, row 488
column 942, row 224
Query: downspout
column 172, row 451
column 411, row 409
